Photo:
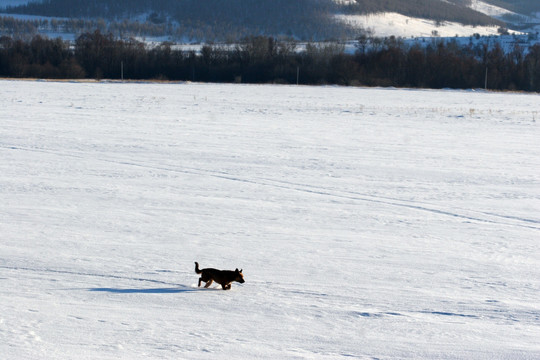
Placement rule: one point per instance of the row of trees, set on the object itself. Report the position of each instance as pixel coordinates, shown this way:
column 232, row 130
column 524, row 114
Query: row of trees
column 264, row 60
column 28, row 28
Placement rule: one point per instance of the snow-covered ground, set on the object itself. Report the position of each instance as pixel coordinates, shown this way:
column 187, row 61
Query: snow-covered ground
column 370, row 223
column 528, row 23
column 490, row 10
column 388, row 24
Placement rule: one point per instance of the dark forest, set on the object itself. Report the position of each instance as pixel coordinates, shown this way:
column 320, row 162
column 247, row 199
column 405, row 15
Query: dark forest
column 263, row 59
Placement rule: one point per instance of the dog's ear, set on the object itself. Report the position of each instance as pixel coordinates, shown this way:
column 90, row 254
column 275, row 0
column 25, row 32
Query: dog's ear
column 241, row 270
column 237, row 270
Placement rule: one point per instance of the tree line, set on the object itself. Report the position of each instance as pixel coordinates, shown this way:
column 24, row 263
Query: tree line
column 260, row 59
column 28, row 28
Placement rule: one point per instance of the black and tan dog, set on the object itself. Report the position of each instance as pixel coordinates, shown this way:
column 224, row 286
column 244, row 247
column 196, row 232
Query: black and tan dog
column 222, row 277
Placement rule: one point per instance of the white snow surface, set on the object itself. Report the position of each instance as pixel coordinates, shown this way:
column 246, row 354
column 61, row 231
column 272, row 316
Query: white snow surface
column 369, row 223
column 394, row 24
column 488, row 9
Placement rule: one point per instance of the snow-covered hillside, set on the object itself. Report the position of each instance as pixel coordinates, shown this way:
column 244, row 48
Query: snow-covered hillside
column 379, row 24
column 394, row 24
column 370, row 223
column 528, row 23
column 488, row 9
column 4, row 3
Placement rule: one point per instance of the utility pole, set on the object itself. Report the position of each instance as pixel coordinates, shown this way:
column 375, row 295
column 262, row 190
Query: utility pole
column 485, row 84
column 122, row 70
column 297, row 74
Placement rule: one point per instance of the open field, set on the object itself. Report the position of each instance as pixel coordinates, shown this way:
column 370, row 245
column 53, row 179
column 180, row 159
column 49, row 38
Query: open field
column 369, row 223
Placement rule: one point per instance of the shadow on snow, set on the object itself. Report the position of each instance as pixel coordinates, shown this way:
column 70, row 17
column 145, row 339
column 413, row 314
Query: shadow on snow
column 172, row 290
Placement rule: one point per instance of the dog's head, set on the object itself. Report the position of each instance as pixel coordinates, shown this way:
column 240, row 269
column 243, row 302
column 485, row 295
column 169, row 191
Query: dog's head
column 239, row 276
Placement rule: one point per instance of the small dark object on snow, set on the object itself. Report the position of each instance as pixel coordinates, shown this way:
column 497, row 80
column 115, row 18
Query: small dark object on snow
column 222, row 277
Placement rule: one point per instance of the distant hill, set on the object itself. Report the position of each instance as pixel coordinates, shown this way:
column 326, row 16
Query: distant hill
column 222, row 20
column 525, row 7
column 451, row 10
column 207, row 19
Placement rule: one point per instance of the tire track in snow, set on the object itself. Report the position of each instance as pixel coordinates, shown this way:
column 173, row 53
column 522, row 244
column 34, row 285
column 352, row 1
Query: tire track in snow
column 479, row 216
column 351, row 195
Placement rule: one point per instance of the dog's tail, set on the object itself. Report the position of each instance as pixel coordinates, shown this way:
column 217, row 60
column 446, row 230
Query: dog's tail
column 197, row 268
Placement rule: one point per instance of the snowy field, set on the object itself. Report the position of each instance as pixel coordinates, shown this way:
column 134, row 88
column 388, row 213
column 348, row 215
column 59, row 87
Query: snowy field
column 370, row 223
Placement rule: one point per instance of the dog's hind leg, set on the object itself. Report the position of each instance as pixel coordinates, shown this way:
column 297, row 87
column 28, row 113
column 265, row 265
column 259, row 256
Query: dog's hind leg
column 208, row 283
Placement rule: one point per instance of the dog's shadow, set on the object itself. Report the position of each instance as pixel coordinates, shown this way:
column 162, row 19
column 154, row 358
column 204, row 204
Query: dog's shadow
column 169, row 290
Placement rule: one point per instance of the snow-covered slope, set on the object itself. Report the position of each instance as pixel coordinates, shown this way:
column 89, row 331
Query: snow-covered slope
column 369, row 223
column 4, row 3
column 381, row 24
column 488, row 9
column 388, row 24
column 528, row 23
column 392, row 23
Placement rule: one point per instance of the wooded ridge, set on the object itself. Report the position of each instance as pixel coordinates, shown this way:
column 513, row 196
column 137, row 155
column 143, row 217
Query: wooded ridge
column 218, row 20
